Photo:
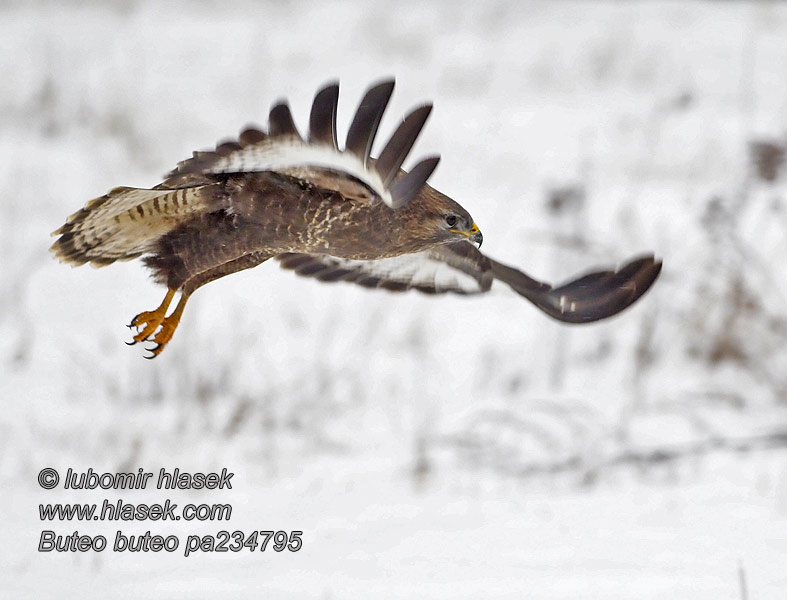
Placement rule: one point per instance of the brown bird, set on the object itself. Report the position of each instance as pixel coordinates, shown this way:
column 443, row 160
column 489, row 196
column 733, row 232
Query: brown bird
column 337, row 215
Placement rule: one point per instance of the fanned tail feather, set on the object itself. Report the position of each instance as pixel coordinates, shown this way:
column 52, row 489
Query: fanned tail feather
column 124, row 223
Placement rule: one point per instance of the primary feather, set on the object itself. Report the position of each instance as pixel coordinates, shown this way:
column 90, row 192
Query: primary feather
column 283, row 148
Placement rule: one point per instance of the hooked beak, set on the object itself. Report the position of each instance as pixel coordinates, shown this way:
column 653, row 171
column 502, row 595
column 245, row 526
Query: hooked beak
column 476, row 236
column 473, row 235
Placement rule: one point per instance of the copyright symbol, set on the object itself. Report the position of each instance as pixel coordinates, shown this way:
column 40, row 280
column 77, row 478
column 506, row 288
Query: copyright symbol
column 48, row 478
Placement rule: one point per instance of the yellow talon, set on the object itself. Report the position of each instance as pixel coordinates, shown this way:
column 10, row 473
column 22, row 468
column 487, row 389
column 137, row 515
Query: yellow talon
column 168, row 325
column 151, row 319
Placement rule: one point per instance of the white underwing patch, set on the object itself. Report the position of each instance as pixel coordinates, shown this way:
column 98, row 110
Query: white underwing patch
column 283, row 153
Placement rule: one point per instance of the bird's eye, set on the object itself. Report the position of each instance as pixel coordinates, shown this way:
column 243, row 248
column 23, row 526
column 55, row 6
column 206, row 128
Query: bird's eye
column 450, row 220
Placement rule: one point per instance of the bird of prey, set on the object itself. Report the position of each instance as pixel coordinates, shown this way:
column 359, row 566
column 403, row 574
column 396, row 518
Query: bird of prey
column 336, row 214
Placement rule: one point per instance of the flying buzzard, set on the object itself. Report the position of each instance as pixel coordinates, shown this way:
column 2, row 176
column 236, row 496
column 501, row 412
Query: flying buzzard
column 324, row 212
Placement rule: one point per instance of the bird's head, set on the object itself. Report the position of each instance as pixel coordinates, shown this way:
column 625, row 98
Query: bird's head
column 444, row 220
column 459, row 225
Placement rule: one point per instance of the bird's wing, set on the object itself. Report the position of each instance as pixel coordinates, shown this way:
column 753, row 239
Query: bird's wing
column 461, row 268
column 318, row 158
column 590, row 297
column 432, row 271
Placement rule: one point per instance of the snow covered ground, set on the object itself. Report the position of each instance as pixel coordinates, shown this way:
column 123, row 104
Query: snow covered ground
column 431, row 448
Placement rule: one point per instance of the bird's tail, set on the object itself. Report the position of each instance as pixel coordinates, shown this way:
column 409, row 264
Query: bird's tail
column 125, row 223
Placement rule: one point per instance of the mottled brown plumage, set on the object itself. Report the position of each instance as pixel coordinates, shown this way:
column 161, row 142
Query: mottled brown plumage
column 325, row 213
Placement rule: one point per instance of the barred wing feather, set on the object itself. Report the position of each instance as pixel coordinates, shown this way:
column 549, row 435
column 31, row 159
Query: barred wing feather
column 282, row 148
column 462, row 269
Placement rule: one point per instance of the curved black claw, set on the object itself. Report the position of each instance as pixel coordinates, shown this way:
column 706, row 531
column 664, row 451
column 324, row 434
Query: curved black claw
column 154, row 351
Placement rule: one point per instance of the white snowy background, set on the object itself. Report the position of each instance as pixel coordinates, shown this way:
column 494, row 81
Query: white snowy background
column 427, row 447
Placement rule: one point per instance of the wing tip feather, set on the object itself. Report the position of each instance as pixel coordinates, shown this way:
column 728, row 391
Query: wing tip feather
column 248, row 152
column 363, row 128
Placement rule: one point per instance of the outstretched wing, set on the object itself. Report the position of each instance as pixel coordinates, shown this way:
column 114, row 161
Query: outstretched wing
column 461, row 268
column 432, row 271
column 283, row 150
column 588, row 298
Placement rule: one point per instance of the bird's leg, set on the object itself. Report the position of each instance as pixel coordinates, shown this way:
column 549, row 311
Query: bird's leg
column 150, row 320
column 168, row 327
